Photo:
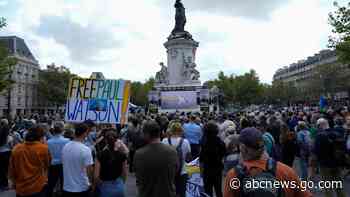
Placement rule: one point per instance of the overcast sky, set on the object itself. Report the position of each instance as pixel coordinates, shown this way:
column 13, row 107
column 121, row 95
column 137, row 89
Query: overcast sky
column 124, row 38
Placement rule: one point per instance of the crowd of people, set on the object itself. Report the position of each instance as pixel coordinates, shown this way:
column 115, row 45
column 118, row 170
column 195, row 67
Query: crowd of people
column 52, row 158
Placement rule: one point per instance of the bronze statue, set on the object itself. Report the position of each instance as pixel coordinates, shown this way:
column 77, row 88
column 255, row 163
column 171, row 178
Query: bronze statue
column 180, row 18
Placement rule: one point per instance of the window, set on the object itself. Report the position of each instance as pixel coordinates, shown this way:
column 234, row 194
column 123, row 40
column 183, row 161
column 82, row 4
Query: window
column 19, row 88
column 19, row 100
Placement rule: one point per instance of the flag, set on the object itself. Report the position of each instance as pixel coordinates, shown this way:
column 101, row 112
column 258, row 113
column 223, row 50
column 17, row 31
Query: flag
column 323, row 104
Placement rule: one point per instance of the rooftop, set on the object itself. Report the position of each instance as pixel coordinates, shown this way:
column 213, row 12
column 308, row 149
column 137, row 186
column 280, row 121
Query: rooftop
column 324, row 54
column 17, row 46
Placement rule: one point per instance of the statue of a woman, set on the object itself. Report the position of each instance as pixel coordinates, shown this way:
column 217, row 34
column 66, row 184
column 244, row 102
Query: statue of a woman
column 180, row 17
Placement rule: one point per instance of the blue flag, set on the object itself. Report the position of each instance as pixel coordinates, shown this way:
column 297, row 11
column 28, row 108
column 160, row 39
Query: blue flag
column 323, row 103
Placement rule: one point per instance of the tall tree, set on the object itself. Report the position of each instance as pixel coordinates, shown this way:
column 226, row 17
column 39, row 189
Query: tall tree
column 6, row 63
column 239, row 89
column 53, row 85
column 340, row 21
column 139, row 92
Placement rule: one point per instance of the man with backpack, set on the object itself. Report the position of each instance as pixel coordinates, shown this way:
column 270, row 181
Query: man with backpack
column 256, row 165
column 183, row 150
column 304, row 149
column 330, row 151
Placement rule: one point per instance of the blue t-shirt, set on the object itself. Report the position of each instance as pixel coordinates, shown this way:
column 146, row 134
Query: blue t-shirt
column 56, row 144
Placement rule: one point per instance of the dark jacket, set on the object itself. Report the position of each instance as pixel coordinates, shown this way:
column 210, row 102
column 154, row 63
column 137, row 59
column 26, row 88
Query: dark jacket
column 212, row 153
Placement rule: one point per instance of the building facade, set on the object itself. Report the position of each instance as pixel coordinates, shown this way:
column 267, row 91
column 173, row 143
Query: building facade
column 22, row 97
column 300, row 74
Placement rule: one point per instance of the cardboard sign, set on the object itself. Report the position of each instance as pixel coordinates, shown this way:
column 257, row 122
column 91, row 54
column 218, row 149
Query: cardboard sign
column 99, row 100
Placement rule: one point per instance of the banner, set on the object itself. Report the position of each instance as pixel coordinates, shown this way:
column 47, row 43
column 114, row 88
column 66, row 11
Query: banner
column 194, row 186
column 99, row 100
column 179, row 100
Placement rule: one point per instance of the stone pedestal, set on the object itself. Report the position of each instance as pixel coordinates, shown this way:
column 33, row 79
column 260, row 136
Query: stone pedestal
column 180, row 51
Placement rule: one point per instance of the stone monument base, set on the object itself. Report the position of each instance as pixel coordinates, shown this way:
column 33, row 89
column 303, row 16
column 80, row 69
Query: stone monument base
column 180, row 98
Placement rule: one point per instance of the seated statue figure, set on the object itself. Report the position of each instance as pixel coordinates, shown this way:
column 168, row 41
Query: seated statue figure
column 162, row 75
column 190, row 72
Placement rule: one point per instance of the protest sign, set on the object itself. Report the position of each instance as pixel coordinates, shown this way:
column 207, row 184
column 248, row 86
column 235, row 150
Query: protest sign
column 99, row 100
column 194, row 186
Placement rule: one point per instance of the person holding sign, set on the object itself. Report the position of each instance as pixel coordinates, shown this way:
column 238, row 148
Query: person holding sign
column 111, row 167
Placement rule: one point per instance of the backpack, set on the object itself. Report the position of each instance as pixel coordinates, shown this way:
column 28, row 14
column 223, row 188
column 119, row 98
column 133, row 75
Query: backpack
column 179, row 155
column 268, row 175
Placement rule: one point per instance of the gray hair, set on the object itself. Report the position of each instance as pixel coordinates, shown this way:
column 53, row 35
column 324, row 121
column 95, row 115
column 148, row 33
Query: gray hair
column 322, row 123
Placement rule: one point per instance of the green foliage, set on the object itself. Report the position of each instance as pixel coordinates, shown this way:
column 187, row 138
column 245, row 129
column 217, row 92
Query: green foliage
column 6, row 63
column 139, row 92
column 2, row 22
column 280, row 93
column 53, row 86
column 329, row 79
column 241, row 89
column 340, row 21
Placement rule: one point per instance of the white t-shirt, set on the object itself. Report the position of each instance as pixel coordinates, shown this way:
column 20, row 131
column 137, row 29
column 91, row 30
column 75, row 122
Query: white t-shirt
column 186, row 149
column 75, row 158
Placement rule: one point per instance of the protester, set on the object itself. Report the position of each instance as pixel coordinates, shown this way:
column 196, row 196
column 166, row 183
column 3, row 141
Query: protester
column 289, row 146
column 56, row 144
column 183, row 149
column 5, row 153
column 269, row 141
column 155, row 165
column 69, row 134
column 111, row 167
column 253, row 163
column 211, row 159
column 77, row 164
column 327, row 149
column 232, row 152
column 29, row 165
column 304, row 144
column 91, row 138
column 193, row 133
column 134, row 139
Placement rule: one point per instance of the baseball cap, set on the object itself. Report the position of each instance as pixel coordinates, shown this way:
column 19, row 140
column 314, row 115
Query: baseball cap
column 252, row 138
